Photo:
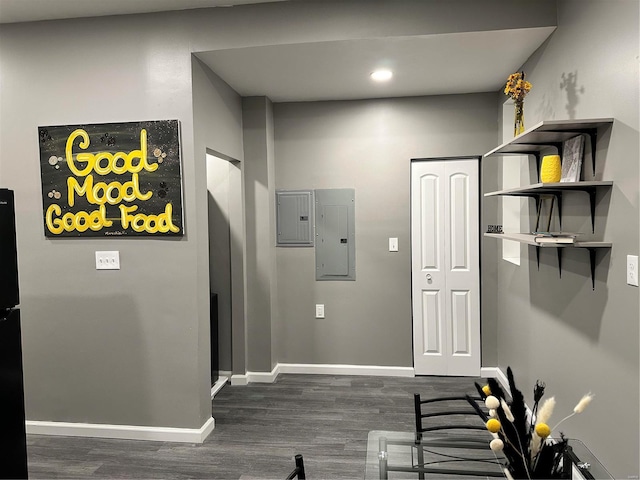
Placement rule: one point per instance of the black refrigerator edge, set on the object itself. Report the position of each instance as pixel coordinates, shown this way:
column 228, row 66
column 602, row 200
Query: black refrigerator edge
column 13, row 442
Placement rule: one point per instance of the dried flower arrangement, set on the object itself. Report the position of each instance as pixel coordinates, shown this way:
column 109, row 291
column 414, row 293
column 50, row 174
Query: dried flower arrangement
column 517, row 88
column 523, row 440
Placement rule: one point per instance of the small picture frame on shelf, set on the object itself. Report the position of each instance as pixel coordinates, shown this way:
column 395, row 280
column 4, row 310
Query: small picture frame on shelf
column 572, row 153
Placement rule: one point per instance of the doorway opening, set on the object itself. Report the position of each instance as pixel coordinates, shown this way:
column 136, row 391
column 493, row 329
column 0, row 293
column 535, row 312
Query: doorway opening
column 224, row 202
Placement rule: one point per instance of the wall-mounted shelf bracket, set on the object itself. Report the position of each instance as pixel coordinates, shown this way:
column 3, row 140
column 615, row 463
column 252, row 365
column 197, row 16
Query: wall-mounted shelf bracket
column 559, row 254
column 593, row 136
column 592, row 204
column 538, row 190
column 529, row 239
column 556, row 198
column 592, row 261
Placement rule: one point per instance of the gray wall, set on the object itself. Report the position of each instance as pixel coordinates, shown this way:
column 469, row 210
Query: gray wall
column 366, row 145
column 217, row 111
column 259, row 198
column 217, row 114
column 117, row 347
column 558, row 329
column 131, row 347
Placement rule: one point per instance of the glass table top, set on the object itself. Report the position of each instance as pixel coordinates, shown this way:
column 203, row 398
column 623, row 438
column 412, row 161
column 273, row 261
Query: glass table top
column 586, row 465
column 397, row 455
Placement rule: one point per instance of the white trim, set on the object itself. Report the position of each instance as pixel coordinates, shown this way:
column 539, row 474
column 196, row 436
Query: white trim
column 498, row 374
column 218, row 385
column 321, row 369
column 329, row 369
column 239, row 380
column 501, row 377
column 264, row 377
column 127, row 432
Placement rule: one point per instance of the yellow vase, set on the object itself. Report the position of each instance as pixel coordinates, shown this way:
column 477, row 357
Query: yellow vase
column 518, row 125
column 551, row 169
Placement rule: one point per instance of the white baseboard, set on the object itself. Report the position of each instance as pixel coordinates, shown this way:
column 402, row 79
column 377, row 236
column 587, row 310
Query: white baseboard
column 264, row 377
column 501, row 377
column 222, row 380
column 321, row 369
column 239, row 380
column 497, row 373
column 127, row 432
column 330, row 369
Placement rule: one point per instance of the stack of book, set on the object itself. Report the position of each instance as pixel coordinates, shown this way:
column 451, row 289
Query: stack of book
column 554, row 237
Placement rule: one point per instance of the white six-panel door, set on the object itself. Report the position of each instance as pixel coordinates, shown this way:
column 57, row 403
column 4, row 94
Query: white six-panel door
column 445, row 267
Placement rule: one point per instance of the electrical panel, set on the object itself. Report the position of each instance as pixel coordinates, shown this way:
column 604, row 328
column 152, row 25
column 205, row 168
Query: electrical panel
column 294, row 218
column 335, row 234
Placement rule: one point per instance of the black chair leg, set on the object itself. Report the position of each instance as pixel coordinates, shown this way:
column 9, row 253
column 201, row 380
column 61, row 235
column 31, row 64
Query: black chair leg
column 418, row 416
column 298, row 472
column 300, row 467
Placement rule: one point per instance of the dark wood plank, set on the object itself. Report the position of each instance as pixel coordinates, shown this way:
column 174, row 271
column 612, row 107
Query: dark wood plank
column 259, row 429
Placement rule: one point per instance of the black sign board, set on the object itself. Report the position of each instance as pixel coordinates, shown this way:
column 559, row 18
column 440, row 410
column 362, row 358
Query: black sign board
column 111, row 179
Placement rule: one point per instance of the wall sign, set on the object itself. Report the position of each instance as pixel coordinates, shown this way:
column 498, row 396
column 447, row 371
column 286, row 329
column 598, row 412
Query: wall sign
column 111, row 179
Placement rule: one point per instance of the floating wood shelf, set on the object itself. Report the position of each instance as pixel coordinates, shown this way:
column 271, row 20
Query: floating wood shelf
column 547, row 188
column 529, row 239
column 552, row 133
column 556, row 189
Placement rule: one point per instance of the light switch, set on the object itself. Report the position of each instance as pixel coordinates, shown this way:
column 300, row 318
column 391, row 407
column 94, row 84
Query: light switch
column 393, row 244
column 320, row 310
column 108, row 260
column 632, row 270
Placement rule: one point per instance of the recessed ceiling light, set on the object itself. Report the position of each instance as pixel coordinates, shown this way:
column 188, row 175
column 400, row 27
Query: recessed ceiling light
column 382, row 75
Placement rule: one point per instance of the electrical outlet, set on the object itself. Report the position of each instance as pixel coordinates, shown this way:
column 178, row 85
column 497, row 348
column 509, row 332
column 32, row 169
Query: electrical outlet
column 632, row 270
column 319, row 310
column 393, row 244
column 108, row 260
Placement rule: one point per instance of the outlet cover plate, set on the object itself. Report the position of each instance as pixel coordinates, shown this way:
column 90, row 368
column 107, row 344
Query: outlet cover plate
column 632, row 270
column 108, row 260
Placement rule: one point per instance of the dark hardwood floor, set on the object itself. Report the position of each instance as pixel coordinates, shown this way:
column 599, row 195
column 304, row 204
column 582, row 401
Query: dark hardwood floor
column 259, row 428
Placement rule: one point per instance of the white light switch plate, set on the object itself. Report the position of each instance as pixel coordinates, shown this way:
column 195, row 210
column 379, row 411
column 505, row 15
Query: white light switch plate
column 393, row 244
column 632, row 270
column 319, row 310
column 108, row 260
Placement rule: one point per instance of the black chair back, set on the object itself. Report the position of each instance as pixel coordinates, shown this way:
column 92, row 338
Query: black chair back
column 451, row 407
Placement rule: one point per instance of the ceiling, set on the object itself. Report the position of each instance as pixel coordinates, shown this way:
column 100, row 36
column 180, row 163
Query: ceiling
column 468, row 62
column 12, row 11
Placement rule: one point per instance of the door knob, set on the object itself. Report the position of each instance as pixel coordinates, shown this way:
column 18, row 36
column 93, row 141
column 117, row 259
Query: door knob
column 428, row 277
